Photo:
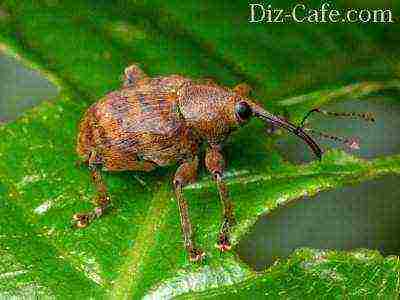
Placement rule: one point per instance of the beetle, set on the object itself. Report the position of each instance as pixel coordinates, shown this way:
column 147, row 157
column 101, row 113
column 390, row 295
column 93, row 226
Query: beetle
column 163, row 120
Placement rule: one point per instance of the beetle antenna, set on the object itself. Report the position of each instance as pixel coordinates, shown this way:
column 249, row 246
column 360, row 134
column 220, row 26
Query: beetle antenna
column 353, row 142
column 366, row 116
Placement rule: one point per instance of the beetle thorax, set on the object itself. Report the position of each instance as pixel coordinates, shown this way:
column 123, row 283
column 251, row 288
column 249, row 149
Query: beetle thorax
column 208, row 110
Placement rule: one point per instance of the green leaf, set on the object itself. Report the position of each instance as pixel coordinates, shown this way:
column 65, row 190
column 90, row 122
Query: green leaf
column 312, row 274
column 137, row 250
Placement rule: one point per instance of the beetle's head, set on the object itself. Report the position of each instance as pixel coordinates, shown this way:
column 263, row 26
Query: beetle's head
column 215, row 111
column 245, row 109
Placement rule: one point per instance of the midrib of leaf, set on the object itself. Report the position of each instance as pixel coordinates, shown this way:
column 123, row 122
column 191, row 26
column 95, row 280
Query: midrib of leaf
column 130, row 273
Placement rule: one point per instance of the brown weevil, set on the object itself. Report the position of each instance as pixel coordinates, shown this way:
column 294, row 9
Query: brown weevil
column 160, row 121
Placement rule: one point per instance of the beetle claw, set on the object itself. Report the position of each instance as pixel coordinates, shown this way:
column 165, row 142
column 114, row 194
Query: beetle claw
column 224, row 244
column 196, row 255
column 224, row 247
column 80, row 220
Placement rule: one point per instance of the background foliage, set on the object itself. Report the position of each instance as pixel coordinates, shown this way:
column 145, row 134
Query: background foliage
column 136, row 251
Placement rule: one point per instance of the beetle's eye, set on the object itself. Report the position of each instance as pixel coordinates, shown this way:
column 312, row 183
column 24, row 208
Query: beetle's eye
column 243, row 111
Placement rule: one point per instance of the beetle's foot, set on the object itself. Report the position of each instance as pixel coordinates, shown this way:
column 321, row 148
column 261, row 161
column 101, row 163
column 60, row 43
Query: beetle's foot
column 223, row 242
column 81, row 220
column 196, row 255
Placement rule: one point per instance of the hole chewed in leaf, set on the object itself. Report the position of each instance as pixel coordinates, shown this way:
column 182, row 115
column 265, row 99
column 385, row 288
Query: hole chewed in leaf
column 21, row 88
column 345, row 219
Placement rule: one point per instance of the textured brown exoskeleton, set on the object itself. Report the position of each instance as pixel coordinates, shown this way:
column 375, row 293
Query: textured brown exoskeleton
column 160, row 121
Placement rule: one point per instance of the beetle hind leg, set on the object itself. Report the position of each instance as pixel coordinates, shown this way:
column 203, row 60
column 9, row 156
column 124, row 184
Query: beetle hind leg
column 102, row 200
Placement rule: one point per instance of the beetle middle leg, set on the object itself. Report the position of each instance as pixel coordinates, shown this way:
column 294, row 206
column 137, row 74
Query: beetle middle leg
column 186, row 174
column 102, row 200
column 215, row 164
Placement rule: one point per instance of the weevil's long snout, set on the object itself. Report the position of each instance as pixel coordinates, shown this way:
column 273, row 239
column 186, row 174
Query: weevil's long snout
column 261, row 113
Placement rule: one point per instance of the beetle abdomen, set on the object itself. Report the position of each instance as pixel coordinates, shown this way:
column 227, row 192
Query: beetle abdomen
column 85, row 137
column 139, row 124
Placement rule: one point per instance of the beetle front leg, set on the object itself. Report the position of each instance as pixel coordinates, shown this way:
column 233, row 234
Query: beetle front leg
column 215, row 164
column 102, row 200
column 186, row 174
